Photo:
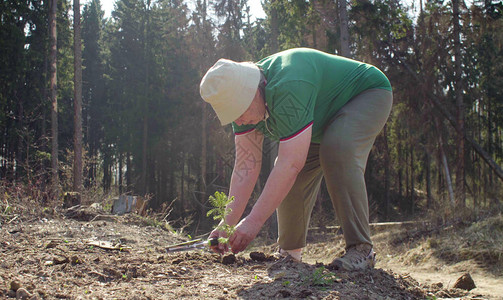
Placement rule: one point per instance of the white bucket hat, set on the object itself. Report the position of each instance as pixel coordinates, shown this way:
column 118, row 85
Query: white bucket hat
column 230, row 87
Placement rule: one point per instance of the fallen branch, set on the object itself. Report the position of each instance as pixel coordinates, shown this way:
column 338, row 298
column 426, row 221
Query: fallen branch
column 11, row 220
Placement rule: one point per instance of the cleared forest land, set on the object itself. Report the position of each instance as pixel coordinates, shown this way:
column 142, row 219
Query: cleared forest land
column 47, row 255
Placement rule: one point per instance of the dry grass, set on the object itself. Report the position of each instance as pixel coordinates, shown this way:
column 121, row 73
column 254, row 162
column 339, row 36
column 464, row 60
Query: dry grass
column 480, row 242
column 22, row 201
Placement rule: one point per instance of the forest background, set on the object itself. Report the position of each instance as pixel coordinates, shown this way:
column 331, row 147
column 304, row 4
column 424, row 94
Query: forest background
column 111, row 106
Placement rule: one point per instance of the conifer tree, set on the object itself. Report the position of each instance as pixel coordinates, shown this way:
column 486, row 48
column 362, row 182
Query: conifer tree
column 53, row 91
column 77, row 101
column 93, row 83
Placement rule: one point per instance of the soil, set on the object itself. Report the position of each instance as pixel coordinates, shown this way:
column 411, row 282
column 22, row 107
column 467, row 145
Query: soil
column 54, row 257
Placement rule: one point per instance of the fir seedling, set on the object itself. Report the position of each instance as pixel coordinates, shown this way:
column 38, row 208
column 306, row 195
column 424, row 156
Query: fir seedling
column 321, row 277
column 220, row 201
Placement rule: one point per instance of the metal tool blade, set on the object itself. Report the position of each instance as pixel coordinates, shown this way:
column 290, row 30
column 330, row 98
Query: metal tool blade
column 192, row 245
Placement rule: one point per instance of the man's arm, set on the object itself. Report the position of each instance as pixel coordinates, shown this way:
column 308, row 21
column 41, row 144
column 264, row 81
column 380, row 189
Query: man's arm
column 244, row 176
column 247, row 167
column 292, row 156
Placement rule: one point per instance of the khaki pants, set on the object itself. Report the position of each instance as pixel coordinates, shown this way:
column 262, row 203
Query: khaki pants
column 341, row 158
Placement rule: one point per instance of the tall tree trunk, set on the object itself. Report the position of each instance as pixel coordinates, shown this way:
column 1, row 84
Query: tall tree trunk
column 77, row 101
column 144, row 175
column 440, row 183
column 406, row 176
column 120, row 173
column 171, row 187
column 160, row 183
column 412, row 192
column 488, row 183
column 400, row 165
column 343, row 23
column 44, row 97
column 107, row 167
column 429, row 197
column 460, row 171
column 182, row 184
column 204, row 141
column 189, row 189
column 386, row 174
column 128, row 172
column 274, row 28
column 480, row 175
column 143, row 188
column 54, row 95
column 93, row 165
column 447, row 173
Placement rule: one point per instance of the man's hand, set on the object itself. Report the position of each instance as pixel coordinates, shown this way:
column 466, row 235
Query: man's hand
column 220, row 248
column 245, row 232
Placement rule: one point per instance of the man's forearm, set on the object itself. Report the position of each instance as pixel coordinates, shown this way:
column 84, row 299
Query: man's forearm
column 241, row 188
column 278, row 185
column 245, row 173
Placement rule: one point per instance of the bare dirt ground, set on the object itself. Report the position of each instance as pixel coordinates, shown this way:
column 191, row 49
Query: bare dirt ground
column 52, row 257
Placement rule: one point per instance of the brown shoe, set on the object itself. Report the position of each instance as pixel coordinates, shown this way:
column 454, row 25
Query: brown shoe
column 357, row 257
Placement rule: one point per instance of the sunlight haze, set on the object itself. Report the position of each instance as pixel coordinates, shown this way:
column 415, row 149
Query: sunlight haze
column 255, row 6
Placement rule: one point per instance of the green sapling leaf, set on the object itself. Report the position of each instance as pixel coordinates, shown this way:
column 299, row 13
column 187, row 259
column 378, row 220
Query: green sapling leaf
column 219, row 212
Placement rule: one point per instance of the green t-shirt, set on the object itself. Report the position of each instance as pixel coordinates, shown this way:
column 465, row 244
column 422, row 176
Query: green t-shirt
column 307, row 87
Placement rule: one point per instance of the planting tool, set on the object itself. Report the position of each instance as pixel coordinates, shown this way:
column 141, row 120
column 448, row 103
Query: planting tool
column 192, row 245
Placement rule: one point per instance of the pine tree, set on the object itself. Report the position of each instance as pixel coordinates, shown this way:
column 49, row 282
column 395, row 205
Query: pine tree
column 93, row 83
column 77, row 52
column 54, row 99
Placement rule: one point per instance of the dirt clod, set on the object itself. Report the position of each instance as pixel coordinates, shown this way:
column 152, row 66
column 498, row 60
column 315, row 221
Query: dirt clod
column 258, row 256
column 58, row 260
column 51, row 244
column 15, row 285
column 75, row 260
column 465, row 282
column 283, row 294
column 229, row 259
column 438, row 285
column 304, row 294
column 22, row 294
